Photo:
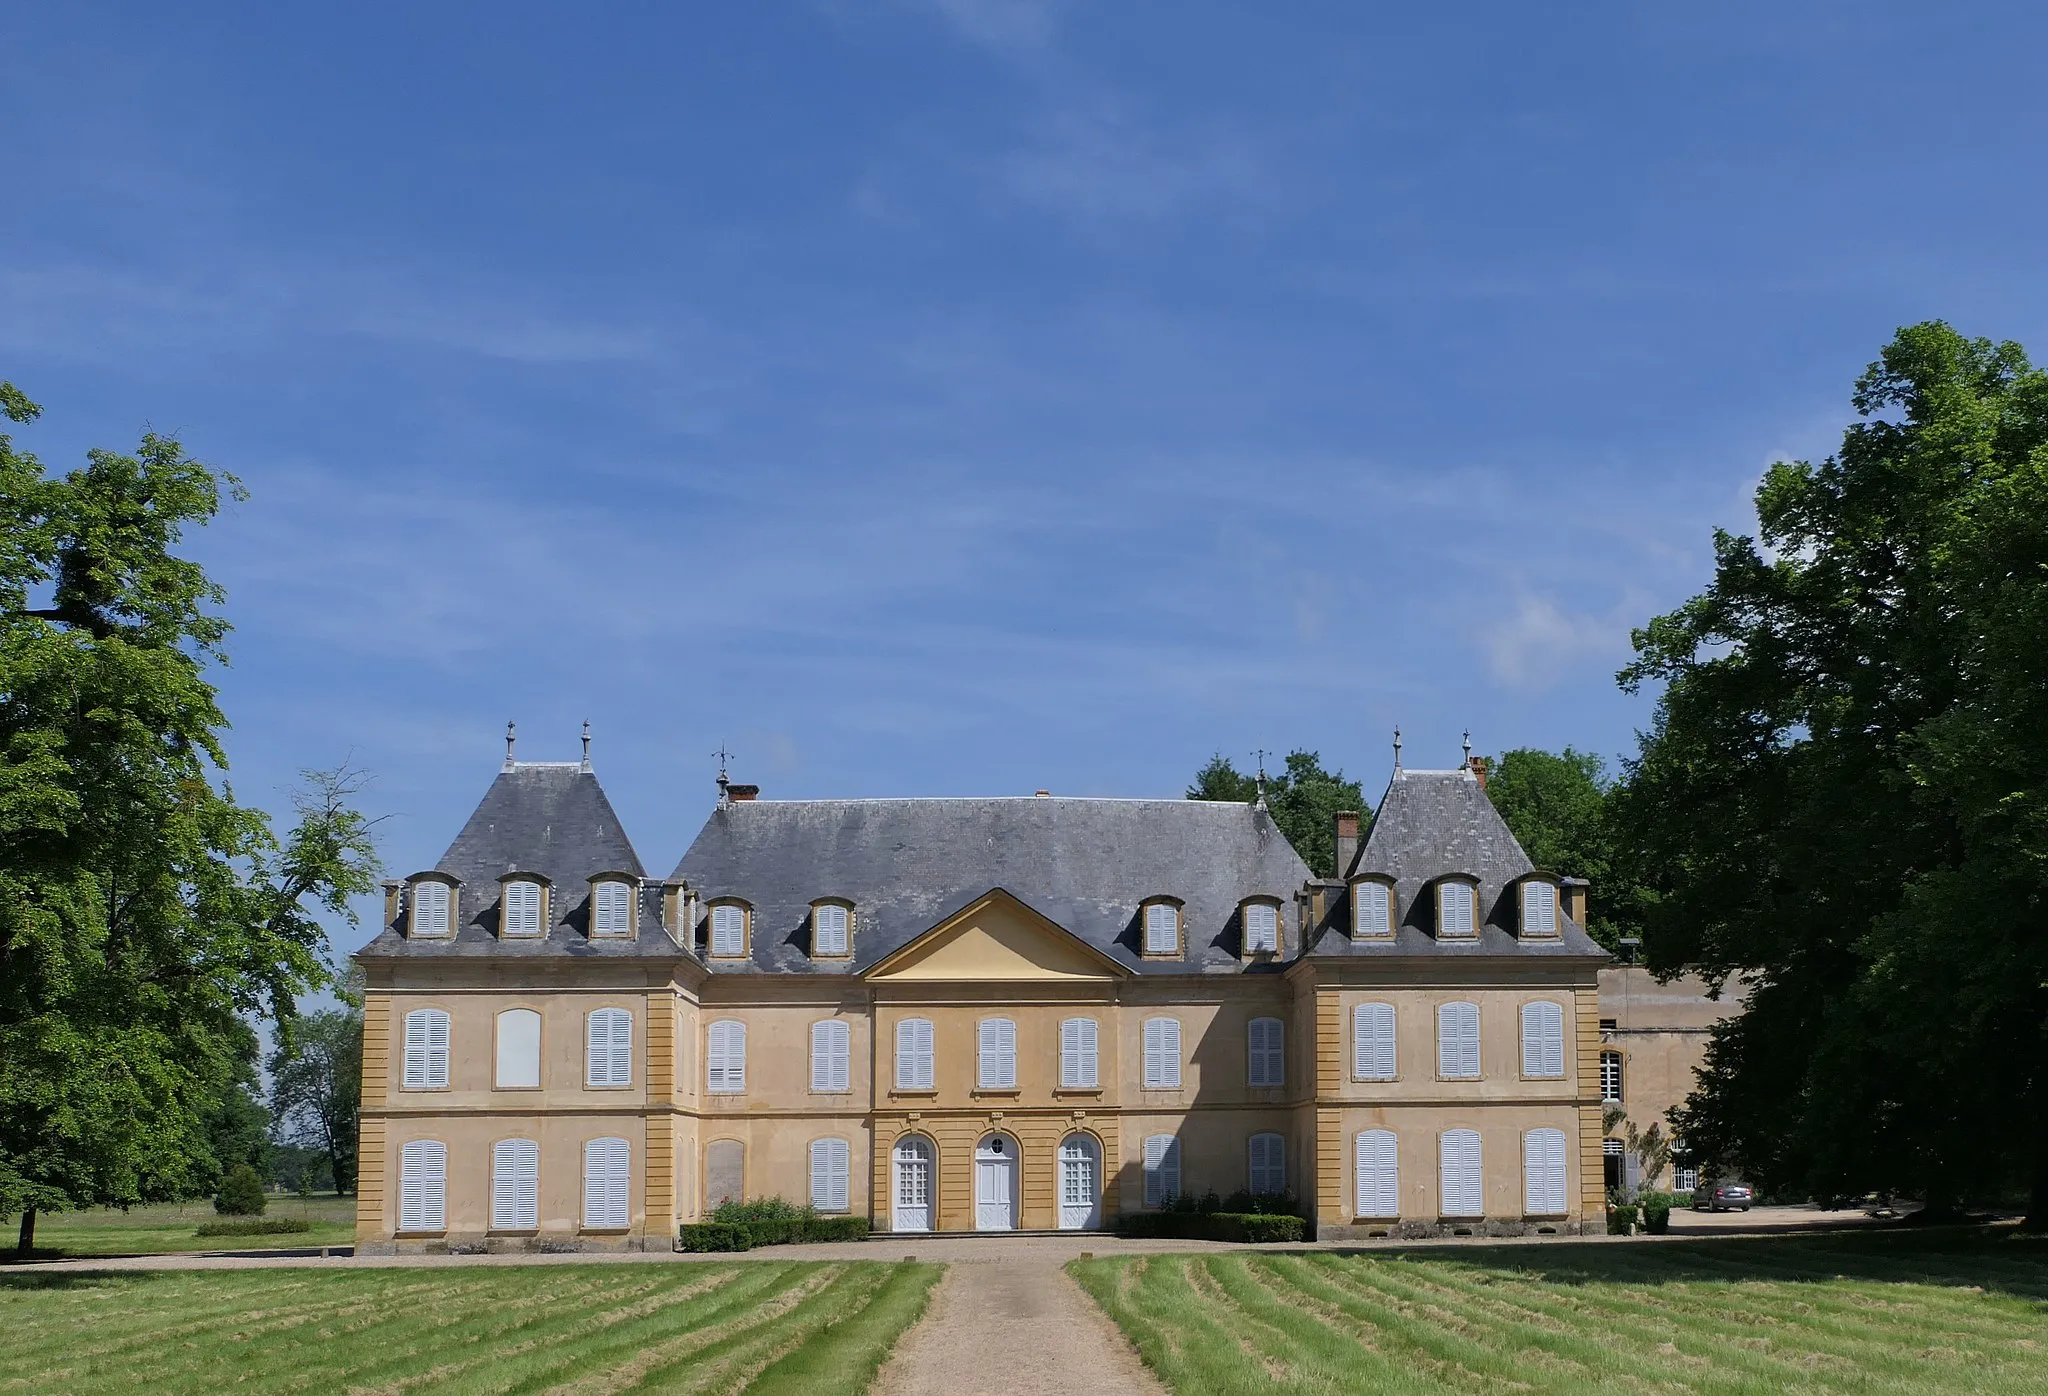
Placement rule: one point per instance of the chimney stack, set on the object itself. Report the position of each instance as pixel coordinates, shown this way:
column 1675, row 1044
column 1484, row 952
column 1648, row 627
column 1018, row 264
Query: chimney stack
column 1477, row 766
column 736, row 793
column 1575, row 900
column 1347, row 841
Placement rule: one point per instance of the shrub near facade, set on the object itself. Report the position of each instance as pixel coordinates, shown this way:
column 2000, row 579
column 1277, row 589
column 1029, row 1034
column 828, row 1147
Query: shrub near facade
column 767, row 1221
column 1242, row 1217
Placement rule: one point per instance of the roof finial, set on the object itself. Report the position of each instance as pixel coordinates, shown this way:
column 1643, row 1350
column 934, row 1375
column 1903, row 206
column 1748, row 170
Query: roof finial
column 724, row 792
column 511, row 739
column 1468, row 748
column 1397, row 748
column 586, row 743
column 1261, row 754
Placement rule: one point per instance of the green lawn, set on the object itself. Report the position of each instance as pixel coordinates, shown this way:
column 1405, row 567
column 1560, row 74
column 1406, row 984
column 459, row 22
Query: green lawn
column 1884, row 1313
column 770, row 1327
column 155, row 1230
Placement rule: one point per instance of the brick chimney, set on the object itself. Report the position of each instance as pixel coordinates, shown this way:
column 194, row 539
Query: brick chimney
column 1575, row 900
column 737, row 793
column 1347, row 840
column 1477, row 765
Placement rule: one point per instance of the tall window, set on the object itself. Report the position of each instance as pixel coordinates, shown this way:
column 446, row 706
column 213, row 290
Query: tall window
column 830, row 1165
column 608, row 1048
column 1162, row 1169
column 1373, row 909
column 611, row 911
column 1454, row 906
column 515, row 1185
column 1458, row 1163
column 1539, row 909
column 423, row 1186
column 1077, row 1053
column 1266, row 1040
column 426, row 1049
column 1542, row 1039
column 1610, row 1078
column 1162, row 928
column 430, row 908
column 1268, row 1164
column 831, row 1056
column 522, row 908
column 518, row 1049
column 1372, row 1042
column 1261, row 928
column 996, row 1061
column 725, row 1057
column 728, row 931
column 914, row 1054
column 829, row 929
column 607, row 1172
column 1543, row 1172
column 1457, row 1041
column 1379, row 1174
column 1162, row 1053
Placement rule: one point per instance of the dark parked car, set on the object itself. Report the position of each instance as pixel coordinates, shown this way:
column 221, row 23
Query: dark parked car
column 1723, row 1195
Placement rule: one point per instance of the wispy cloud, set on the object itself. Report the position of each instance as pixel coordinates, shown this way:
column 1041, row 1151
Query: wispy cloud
column 1541, row 642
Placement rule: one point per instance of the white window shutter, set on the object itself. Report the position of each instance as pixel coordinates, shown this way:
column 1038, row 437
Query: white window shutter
column 1542, row 1039
column 1162, row 1053
column 828, row 927
column 988, row 1069
column 725, row 1058
column 1268, row 1164
column 1462, row 1176
column 607, row 1171
column 1162, row 928
column 1378, row 1184
column 1162, row 1168
column 1261, row 928
column 1539, row 909
column 522, row 908
column 728, row 930
column 1458, row 1041
column 612, row 909
column 831, row 1161
column 1070, row 1052
column 1372, row 1042
column 423, row 1186
column 1267, row 1045
column 820, row 1187
column 1373, row 910
column 1006, row 1053
column 608, row 1048
column 821, row 1060
column 914, row 1054
column 1543, row 1171
column 1455, row 908
column 831, row 1056
column 1088, row 1058
column 415, row 1050
column 429, row 908
column 515, row 1178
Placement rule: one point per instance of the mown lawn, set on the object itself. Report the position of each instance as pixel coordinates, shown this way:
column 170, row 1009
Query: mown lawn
column 161, row 1229
column 785, row 1327
column 1885, row 1313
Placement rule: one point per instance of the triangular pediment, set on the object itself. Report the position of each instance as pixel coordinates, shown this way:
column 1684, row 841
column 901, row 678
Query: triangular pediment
column 996, row 938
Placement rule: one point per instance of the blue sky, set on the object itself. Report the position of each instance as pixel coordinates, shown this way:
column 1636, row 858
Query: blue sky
column 978, row 396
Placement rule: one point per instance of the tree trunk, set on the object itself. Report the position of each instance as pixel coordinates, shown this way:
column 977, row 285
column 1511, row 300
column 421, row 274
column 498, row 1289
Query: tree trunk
column 27, row 1244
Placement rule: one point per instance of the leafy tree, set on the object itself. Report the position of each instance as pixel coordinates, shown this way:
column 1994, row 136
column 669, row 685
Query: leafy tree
column 238, row 1124
column 317, row 1088
column 1845, row 794
column 1303, row 800
column 144, row 914
column 1556, row 803
column 241, row 1193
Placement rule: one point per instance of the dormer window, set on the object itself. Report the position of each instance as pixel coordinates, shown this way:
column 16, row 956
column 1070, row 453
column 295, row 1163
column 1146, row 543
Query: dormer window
column 729, row 931
column 521, row 914
column 831, row 931
column 1372, row 909
column 1162, row 928
column 1539, row 907
column 611, row 907
column 432, row 908
column 1457, row 907
column 1261, row 928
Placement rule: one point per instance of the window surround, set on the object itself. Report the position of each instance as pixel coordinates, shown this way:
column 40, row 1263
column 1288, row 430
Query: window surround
column 453, row 919
column 995, row 1061
column 1534, row 1010
column 1454, row 1185
column 1529, row 895
column 1375, row 1151
column 1546, row 1156
column 839, row 904
column 515, row 1186
column 1388, row 922
column 832, row 1057
column 605, row 1076
column 731, row 1078
column 1244, row 921
column 1450, row 923
column 1363, row 1069
column 1168, row 1075
column 831, row 1162
column 1446, row 1013
column 632, row 885
column 597, row 1153
column 1079, row 1058
column 711, row 919
column 1145, row 914
column 544, row 896
column 423, row 1186
column 427, row 1056
column 922, row 1078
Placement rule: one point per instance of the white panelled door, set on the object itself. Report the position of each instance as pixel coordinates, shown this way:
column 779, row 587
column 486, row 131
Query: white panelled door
column 913, row 1185
column 995, row 1184
column 1080, row 1192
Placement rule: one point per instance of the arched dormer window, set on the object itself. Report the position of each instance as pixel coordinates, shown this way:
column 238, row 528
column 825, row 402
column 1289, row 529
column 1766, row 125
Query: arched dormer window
column 831, row 930
column 1162, row 927
column 522, row 906
column 1539, row 907
column 1372, row 909
column 1457, row 908
column 729, row 928
column 431, row 906
column 612, row 904
column 1261, row 919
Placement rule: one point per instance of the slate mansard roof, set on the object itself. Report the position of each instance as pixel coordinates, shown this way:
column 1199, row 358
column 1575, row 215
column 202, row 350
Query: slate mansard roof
column 1433, row 824
column 544, row 817
column 908, row 864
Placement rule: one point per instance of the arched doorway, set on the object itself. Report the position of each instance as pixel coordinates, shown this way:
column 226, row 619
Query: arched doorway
column 995, row 1183
column 911, row 1186
column 1080, row 1183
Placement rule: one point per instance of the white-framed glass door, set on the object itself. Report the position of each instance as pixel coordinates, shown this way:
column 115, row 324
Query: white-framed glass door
column 911, row 1209
column 1080, row 1183
column 995, row 1183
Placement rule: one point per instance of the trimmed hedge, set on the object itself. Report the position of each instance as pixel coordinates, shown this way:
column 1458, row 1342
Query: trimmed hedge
column 1211, row 1226
column 255, row 1226
column 775, row 1231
